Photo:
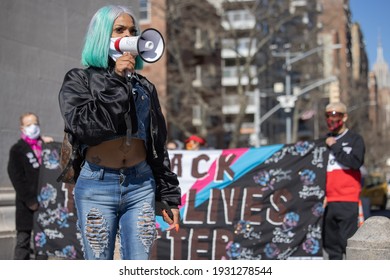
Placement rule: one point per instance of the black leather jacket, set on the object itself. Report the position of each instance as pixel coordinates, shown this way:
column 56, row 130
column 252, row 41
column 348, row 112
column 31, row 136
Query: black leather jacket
column 95, row 106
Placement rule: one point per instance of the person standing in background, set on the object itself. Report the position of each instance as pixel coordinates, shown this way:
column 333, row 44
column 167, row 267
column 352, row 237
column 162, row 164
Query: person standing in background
column 23, row 171
column 175, row 144
column 343, row 181
column 194, row 143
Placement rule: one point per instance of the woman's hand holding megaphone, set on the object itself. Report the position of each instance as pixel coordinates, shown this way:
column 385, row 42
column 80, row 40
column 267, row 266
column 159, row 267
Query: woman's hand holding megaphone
column 125, row 64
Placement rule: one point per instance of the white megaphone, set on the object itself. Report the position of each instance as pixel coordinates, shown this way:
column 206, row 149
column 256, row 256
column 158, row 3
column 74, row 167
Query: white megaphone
column 149, row 45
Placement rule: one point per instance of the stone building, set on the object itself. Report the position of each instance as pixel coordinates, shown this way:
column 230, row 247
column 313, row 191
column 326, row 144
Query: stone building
column 39, row 42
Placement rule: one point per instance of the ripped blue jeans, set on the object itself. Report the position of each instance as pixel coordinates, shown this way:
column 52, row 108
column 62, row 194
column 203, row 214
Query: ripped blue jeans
column 111, row 201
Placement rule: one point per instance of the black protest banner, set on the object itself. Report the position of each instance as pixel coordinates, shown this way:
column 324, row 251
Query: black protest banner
column 269, row 204
column 55, row 232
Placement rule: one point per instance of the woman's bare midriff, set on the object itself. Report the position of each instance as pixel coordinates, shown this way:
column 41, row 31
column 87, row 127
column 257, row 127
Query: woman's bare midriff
column 116, row 154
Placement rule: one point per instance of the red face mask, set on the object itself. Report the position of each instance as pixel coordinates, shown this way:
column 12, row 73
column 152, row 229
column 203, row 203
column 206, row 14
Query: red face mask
column 334, row 125
column 334, row 120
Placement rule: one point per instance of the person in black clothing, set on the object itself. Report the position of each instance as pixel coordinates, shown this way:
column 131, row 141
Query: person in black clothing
column 114, row 114
column 343, row 181
column 23, row 170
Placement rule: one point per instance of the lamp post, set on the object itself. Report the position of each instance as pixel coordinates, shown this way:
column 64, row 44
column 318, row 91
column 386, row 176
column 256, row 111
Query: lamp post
column 287, row 101
column 257, row 122
column 355, row 107
column 294, row 97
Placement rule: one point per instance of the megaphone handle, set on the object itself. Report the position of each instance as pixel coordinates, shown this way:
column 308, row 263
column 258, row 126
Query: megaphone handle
column 128, row 73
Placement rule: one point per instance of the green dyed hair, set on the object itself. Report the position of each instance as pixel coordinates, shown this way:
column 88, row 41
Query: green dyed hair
column 97, row 39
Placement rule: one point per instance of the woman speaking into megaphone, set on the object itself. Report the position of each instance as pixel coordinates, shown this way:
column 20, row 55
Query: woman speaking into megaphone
column 114, row 114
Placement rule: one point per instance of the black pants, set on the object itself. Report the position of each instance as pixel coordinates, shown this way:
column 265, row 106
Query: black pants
column 22, row 248
column 340, row 223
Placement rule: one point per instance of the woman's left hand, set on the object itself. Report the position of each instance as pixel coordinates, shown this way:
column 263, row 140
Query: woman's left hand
column 173, row 223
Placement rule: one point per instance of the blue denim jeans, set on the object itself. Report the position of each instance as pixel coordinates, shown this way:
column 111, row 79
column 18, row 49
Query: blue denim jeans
column 116, row 201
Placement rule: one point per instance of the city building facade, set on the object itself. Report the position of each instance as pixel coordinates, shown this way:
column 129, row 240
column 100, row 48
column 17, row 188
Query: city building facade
column 278, row 61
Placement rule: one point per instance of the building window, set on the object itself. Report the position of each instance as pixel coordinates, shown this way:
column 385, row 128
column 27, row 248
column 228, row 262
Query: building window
column 239, row 15
column 198, row 39
column 144, row 10
column 196, row 115
column 239, row 19
column 198, row 76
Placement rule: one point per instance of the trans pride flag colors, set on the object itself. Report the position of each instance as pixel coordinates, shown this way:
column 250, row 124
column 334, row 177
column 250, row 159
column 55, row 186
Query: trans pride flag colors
column 250, row 203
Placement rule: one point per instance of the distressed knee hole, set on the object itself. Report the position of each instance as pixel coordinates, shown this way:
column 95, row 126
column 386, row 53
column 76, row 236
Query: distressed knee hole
column 96, row 231
column 146, row 226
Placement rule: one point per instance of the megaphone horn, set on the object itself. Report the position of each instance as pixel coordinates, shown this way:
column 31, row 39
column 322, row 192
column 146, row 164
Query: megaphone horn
column 149, row 45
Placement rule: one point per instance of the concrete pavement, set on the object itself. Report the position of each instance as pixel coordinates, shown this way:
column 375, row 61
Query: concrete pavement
column 7, row 223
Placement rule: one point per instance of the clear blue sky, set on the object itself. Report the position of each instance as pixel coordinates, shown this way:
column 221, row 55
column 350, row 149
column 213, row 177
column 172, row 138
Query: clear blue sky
column 374, row 19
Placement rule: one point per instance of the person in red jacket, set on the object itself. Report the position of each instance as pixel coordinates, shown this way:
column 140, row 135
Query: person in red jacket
column 346, row 156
